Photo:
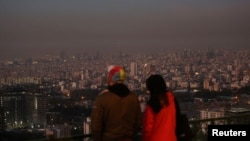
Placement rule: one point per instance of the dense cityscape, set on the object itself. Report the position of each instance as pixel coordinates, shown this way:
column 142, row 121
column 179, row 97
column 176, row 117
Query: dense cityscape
column 53, row 95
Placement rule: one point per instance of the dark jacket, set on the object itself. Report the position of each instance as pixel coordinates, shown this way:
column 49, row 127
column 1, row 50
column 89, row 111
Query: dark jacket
column 116, row 114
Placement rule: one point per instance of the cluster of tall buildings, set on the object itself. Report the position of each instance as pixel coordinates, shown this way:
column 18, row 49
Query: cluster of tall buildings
column 21, row 109
column 189, row 70
column 211, row 69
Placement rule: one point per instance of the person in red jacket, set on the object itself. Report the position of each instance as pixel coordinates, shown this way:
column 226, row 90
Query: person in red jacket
column 159, row 119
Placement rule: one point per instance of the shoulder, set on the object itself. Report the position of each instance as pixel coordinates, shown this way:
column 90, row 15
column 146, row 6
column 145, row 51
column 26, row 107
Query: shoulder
column 134, row 95
column 103, row 92
column 170, row 93
column 102, row 95
column 148, row 110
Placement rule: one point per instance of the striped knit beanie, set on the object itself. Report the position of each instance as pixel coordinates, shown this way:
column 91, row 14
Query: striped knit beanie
column 116, row 73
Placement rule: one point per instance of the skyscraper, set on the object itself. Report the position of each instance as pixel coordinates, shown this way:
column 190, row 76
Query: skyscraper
column 133, row 69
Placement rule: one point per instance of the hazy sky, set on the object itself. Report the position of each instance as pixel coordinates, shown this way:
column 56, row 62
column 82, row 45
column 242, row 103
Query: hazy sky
column 33, row 27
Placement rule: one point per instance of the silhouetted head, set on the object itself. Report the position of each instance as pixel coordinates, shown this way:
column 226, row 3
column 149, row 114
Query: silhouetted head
column 157, row 88
column 156, row 84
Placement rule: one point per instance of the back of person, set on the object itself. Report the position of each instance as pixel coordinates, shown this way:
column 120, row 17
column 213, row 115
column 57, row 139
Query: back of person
column 160, row 126
column 116, row 114
column 159, row 120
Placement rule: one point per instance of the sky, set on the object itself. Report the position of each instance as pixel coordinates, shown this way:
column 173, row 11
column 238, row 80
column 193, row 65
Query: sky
column 39, row 27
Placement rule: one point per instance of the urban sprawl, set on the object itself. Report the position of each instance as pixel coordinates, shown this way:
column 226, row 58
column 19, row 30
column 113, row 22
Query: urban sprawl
column 55, row 93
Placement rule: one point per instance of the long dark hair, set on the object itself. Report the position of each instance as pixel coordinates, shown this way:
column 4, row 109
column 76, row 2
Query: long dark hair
column 157, row 88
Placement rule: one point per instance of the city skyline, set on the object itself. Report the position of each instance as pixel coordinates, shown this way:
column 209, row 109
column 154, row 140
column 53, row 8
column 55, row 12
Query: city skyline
column 31, row 28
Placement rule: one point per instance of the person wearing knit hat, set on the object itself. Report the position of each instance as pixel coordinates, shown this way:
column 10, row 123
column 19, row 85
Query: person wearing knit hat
column 116, row 114
column 116, row 74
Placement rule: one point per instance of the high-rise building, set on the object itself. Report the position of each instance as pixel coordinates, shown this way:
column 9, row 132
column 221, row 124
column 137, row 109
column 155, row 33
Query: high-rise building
column 20, row 109
column 2, row 115
column 206, row 84
column 36, row 104
column 133, row 69
column 13, row 109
